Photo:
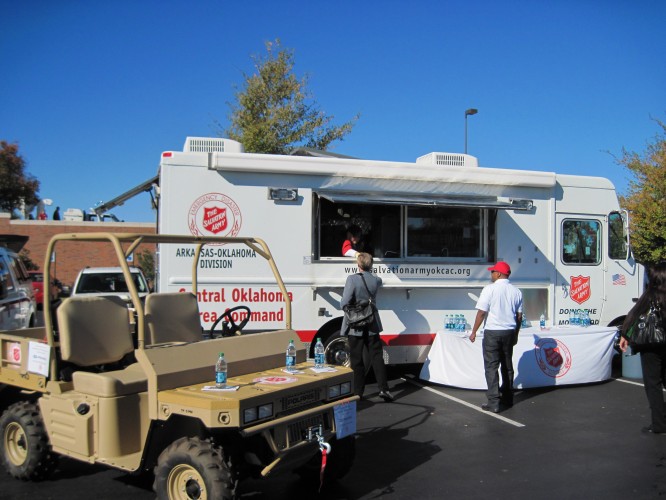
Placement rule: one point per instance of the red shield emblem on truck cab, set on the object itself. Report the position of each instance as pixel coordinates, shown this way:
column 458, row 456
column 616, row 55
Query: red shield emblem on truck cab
column 215, row 219
column 580, row 289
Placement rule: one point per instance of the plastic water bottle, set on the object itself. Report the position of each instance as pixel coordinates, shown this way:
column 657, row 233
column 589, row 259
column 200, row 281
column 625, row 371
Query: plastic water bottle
column 576, row 317
column 542, row 322
column 291, row 357
column 446, row 322
column 319, row 356
column 463, row 323
column 586, row 319
column 572, row 317
column 221, row 372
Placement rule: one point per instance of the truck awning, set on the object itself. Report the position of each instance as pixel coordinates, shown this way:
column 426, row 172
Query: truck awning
column 428, row 200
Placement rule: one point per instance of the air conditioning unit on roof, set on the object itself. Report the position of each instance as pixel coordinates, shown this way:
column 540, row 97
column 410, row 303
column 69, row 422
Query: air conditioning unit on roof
column 448, row 160
column 212, row 145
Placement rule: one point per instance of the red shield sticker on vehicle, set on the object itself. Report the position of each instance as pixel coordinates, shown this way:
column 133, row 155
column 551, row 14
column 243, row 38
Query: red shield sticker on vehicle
column 215, row 219
column 580, row 289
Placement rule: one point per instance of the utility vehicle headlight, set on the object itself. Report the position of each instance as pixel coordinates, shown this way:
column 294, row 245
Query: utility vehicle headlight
column 266, row 411
column 334, row 391
column 250, row 415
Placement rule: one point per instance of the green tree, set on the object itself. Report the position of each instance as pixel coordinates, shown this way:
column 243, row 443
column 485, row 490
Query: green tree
column 274, row 112
column 646, row 199
column 16, row 186
column 29, row 264
column 146, row 260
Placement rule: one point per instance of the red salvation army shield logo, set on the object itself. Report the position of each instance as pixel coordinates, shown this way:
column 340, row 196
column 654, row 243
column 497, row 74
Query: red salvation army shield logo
column 215, row 219
column 214, row 214
column 553, row 357
column 580, row 289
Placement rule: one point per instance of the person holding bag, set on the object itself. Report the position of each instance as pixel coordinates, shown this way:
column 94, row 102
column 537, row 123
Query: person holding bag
column 643, row 329
column 362, row 287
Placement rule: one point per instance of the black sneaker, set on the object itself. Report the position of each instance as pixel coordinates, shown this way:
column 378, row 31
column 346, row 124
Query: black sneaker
column 492, row 409
column 386, row 396
column 650, row 430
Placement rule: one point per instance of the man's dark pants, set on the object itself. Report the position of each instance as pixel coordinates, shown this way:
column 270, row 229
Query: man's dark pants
column 497, row 354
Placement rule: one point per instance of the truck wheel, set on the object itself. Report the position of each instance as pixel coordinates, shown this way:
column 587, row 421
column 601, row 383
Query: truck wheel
column 26, row 453
column 337, row 350
column 191, row 468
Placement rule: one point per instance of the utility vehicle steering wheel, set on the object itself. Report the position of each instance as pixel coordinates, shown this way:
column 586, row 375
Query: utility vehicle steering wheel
column 229, row 326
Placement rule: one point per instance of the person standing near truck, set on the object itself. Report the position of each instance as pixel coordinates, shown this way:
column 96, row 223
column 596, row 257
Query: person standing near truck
column 501, row 307
column 653, row 358
column 363, row 286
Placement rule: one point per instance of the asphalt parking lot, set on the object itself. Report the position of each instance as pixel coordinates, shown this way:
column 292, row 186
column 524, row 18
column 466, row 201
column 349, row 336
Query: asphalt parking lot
column 435, row 442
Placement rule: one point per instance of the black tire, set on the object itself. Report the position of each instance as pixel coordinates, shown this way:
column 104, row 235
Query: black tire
column 26, row 452
column 191, row 468
column 338, row 462
column 337, row 350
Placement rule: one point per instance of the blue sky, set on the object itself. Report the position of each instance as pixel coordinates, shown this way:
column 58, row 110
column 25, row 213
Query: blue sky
column 94, row 91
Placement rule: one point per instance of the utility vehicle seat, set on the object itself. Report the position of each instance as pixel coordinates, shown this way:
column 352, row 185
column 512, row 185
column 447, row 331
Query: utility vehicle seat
column 172, row 317
column 96, row 331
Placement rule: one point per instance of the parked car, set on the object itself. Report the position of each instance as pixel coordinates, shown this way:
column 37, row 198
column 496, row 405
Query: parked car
column 17, row 301
column 38, row 288
column 101, row 281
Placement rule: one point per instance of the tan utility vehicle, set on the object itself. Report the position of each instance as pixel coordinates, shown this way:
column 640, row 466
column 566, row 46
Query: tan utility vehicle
column 132, row 388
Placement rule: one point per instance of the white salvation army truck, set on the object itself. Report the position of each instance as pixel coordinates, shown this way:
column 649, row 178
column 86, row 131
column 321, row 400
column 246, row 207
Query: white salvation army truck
column 433, row 226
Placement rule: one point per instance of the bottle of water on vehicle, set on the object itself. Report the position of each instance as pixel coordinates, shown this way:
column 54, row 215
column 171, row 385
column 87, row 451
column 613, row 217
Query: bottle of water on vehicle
column 319, row 356
column 291, row 357
column 221, row 372
column 542, row 322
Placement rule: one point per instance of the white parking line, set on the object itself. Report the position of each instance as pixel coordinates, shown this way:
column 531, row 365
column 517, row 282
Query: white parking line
column 464, row 403
column 629, row 382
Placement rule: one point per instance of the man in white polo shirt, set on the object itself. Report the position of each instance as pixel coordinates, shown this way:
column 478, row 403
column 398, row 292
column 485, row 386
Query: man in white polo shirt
column 501, row 307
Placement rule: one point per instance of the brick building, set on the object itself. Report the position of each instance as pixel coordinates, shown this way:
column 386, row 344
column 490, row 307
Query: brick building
column 71, row 257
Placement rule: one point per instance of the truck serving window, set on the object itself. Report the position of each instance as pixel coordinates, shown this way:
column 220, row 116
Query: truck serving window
column 444, row 232
column 397, row 231
column 581, row 240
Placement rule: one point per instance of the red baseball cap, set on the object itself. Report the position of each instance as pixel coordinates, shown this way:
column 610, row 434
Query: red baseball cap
column 501, row 267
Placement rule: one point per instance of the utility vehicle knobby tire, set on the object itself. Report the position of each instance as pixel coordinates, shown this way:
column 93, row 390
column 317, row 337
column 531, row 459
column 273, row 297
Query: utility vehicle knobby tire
column 26, row 452
column 191, row 468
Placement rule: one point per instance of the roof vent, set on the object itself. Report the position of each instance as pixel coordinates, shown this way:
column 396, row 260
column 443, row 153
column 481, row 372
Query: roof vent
column 448, row 160
column 212, row 145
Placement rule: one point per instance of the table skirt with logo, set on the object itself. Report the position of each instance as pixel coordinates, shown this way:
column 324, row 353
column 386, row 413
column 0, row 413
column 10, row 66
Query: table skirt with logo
column 541, row 358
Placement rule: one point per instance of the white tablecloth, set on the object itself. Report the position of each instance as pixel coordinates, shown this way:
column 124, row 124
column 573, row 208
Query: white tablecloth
column 541, row 358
